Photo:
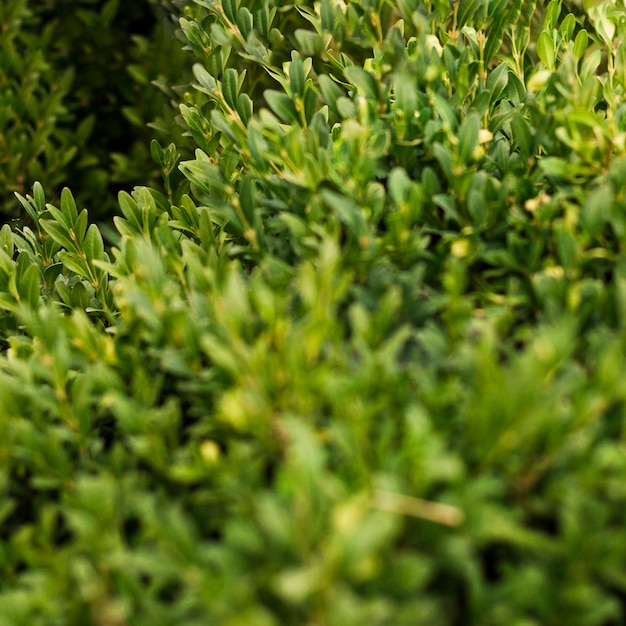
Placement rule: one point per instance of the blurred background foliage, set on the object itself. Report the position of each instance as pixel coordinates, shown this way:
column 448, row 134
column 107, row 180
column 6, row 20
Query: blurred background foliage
column 84, row 86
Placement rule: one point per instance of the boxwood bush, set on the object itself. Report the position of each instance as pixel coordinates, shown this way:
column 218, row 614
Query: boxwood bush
column 357, row 359
column 77, row 108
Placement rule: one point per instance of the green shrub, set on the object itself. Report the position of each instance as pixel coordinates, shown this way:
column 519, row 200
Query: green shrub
column 31, row 103
column 76, row 107
column 364, row 365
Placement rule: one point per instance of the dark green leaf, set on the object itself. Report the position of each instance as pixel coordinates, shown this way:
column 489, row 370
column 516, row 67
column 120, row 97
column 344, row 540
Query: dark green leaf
column 230, row 87
column 59, row 233
column 282, row 105
column 29, row 287
column 364, row 81
column 93, row 246
column 522, row 135
column 68, row 207
column 468, row 136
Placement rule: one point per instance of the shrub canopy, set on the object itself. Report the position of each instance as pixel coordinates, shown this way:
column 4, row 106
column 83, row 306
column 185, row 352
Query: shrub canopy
column 358, row 358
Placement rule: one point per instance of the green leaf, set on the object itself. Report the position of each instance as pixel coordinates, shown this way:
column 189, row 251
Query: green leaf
column 171, row 157
column 6, row 240
column 68, row 206
column 364, row 81
column 546, row 50
column 227, row 126
column 309, row 43
column 230, row 87
column 449, row 206
column 330, row 91
column 39, row 197
column 495, row 35
column 443, row 156
column 157, row 152
column 207, row 83
column 405, row 92
column 555, row 166
column 566, row 29
column 80, row 226
column 245, row 108
column 28, row 207
column 553, row 11
column 310, row 103
column 566, row 246
column 257, row 146
column 130, row 210
column 596, row 210
column 399, row 185
column 590, row 63
column 347, row 211
column 7, row 303
column 29, row 287
column 93, row 246
column 59, row 233
column 79, row 296
column 61, row 288
column 466, row 11
column 468, row 136
column 245, row 22
column 522, row 135
column 580, row 44
column 231, row 7
column 497, row 82
column 205, row 175
column 51, row 273
column 247, row 199
column 296, row 75
column 445, row 112
column 282, row 105
column 75, row 264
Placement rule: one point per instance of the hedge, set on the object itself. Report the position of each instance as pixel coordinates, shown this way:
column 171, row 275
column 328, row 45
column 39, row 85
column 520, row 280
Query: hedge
column 356, row 359
column 75, row 107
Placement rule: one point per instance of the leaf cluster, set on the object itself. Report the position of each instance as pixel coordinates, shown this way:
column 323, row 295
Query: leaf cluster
column 77, row 107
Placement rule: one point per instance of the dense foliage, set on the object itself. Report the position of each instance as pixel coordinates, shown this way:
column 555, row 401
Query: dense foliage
column 76, row 107
column 356, row 360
